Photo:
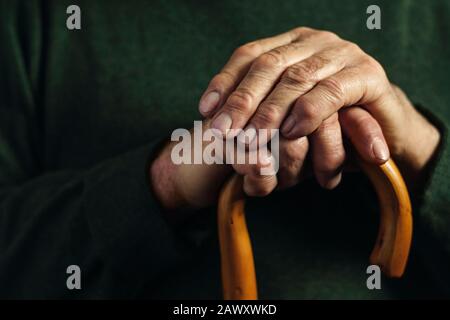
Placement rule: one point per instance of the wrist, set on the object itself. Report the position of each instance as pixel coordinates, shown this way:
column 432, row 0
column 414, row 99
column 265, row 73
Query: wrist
column 163, row 173
column 182, row 189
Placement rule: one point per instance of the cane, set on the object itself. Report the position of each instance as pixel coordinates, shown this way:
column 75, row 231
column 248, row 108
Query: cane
column 391, row 247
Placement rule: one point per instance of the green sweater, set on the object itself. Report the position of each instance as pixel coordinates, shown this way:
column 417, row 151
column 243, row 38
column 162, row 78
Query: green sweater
column 82, row 113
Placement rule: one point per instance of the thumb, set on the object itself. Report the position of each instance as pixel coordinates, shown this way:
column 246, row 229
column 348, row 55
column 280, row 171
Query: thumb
column 365, row 134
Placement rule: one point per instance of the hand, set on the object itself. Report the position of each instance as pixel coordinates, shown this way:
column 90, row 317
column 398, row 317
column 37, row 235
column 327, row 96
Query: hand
column 299, row 80
column 182, row 188
column 194, row 186
column 185, row 186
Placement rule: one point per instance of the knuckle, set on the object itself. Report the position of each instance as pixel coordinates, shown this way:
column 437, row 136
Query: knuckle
column 333, row 88
column 268, row 114
column 251, row 49
column 351, row 46
column 240, row 101
column 258, row 76
column 270, row 59
column 302, row 29
column 300, row 75
column 318, row 62
column 307, row 110
column 299, row 31
column 221, row 80
column 373, row 65
column 328, row 35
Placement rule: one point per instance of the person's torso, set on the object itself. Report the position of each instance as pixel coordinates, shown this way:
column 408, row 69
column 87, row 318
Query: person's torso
column 136, row 71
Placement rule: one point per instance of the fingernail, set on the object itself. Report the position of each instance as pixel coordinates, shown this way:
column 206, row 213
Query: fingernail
column 380, row 150
column 248, row 135
column 209, row 102
column 222, row 122
column 288, row 125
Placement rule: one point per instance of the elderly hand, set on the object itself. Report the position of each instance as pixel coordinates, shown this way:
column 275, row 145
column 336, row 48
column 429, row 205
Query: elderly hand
column 301, row 81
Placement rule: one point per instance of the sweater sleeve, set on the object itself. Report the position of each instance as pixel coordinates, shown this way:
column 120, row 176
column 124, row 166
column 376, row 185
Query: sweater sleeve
column 432, row 207
column 104, row 219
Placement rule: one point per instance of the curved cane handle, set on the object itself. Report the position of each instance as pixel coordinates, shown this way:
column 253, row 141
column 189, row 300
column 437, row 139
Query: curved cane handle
column 391, row 248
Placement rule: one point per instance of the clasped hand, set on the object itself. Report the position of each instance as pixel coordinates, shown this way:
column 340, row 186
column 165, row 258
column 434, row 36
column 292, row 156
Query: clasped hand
column 319, row 90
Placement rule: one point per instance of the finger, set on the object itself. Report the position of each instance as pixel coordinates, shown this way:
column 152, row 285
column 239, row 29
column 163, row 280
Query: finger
column 261, row 78
column 260, row 178
column 292, row 161
column 351, row 86
column 237, row 66
column 296, row 81
column 259, row 186
column 365, row 134
column 328, row 154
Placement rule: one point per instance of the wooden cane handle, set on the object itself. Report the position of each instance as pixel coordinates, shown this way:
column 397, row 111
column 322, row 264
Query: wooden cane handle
column 391, row 248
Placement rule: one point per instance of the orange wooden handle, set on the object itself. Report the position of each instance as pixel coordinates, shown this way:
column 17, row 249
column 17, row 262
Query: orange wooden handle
column 391, row 248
